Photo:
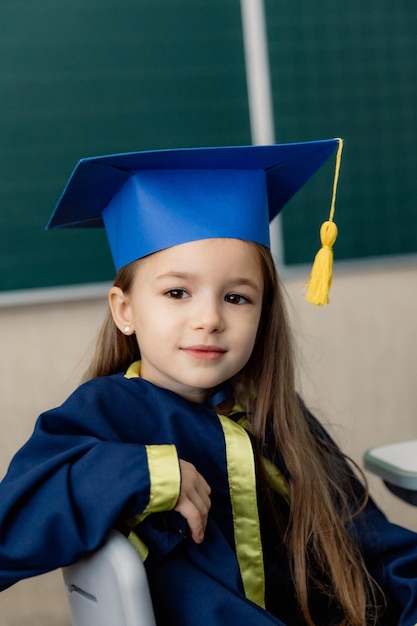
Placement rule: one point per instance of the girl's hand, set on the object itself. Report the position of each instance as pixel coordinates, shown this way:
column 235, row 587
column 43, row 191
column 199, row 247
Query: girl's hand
column 194, row 500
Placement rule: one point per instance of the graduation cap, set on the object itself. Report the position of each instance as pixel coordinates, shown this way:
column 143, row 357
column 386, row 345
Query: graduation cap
column 151, row 200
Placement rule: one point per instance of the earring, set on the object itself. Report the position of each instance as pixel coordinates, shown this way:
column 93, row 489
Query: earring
column 126, row 330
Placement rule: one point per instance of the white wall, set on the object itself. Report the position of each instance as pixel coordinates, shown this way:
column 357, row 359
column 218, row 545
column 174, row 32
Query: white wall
column 358, row 361
column 45, row 350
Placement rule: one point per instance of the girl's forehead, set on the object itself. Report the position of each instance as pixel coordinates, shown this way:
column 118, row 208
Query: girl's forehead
column 226, row 256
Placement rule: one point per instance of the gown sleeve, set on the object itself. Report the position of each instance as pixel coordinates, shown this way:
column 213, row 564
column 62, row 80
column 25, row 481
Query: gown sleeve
column 390, row 553
column 389, row 550
column 71, row 482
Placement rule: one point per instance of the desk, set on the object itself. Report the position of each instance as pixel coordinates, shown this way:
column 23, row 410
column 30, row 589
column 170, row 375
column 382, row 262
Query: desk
column 396, row 464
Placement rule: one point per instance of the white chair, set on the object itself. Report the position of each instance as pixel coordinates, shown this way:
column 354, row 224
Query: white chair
column 110, row 587
column 396, row 464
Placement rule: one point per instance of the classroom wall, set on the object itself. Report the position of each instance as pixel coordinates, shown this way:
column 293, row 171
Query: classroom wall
column 358, row 364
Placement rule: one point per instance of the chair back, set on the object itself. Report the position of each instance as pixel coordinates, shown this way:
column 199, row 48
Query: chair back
column 110, row 587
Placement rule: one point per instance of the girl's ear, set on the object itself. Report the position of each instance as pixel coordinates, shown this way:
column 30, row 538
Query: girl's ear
column 121, row 311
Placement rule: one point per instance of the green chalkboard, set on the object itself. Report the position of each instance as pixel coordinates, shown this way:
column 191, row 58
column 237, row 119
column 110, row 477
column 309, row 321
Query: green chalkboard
column 84, row 78
column 349, row 69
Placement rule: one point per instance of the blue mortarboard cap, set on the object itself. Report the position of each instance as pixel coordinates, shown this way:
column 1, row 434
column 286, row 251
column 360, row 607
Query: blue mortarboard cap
column 153, row 200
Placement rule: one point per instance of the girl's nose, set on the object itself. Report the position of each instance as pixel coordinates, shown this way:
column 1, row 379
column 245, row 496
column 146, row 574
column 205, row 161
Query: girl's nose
column 208, row 316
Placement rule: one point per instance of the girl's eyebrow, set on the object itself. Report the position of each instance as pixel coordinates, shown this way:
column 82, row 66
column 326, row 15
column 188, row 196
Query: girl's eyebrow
column 237, row 282
column 180, row 275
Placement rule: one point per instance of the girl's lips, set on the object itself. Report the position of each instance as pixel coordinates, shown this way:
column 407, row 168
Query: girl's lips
column 209, row 353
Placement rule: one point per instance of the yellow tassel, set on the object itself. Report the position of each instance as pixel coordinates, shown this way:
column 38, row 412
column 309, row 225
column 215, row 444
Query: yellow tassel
column 321, row 273
column 322, row 270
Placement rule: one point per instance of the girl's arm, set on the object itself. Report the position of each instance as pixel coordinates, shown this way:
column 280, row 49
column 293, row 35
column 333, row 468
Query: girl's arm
column 73, row 480
column 389, row 551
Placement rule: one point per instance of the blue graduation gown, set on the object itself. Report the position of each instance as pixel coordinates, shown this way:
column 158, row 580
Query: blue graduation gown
column 90, row 466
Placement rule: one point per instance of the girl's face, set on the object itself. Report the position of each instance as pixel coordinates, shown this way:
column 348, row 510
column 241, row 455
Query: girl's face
column 195, row 309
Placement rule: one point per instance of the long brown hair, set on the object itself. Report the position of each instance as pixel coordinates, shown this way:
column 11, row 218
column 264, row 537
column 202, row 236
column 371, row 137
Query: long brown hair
column 321, row 550
column 323, row 500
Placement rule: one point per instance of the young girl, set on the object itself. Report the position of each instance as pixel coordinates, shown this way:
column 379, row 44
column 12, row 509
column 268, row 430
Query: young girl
column 188, row 434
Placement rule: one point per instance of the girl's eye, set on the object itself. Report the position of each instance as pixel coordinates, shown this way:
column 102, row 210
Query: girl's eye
column 235, row 298
column 177, row 294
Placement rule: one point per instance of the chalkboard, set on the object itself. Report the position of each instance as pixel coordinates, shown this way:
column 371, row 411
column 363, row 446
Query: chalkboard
column 83, row 78
column 349, row 69
column 88, row 78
